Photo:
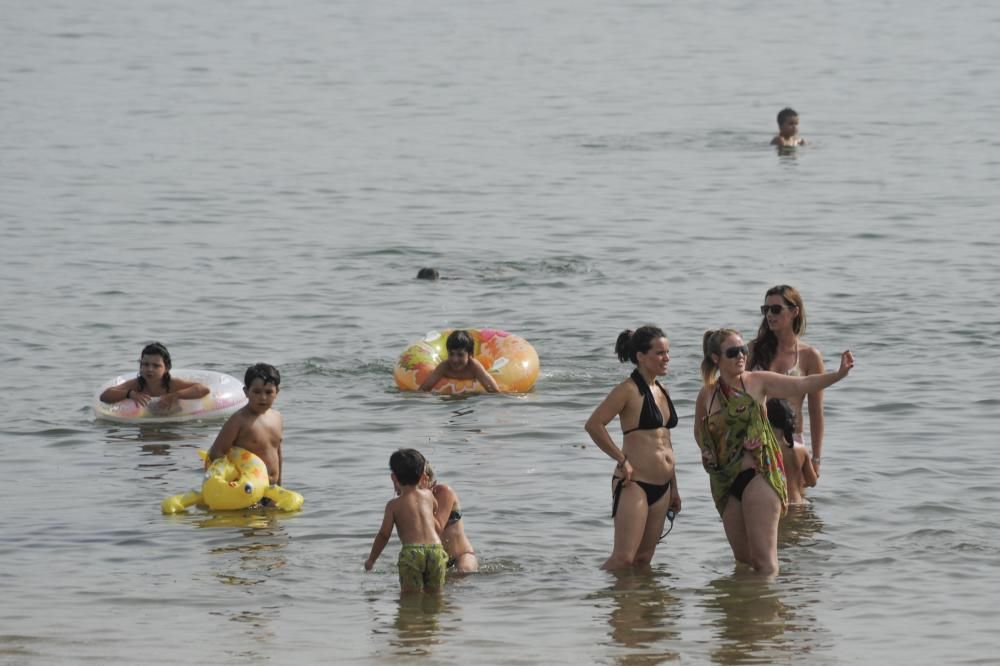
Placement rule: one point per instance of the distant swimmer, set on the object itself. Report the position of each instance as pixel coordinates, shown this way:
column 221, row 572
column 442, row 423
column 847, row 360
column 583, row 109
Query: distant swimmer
column 428, row 274
column 788, row 129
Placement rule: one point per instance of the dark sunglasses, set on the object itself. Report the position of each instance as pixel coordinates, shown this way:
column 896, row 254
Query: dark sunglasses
column 774, row 309
column 733, row 352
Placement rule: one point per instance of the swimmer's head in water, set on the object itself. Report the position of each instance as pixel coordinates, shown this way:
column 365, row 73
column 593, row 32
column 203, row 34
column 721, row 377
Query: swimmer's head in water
column 428, row 274
column 408, row 466
column 788, row 122
column 268, row 374
column 630, row 343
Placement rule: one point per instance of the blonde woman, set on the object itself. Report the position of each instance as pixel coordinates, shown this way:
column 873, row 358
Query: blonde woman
column 739, row 450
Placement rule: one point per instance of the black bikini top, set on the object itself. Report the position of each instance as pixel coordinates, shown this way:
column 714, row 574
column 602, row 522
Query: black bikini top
column 650, row 417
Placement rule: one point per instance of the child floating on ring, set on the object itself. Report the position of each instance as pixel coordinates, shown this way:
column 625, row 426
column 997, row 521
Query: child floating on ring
column 460, row 364
column 154, row 381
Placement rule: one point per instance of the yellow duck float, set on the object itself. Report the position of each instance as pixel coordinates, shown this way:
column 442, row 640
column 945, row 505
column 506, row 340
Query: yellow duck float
column 237, row 480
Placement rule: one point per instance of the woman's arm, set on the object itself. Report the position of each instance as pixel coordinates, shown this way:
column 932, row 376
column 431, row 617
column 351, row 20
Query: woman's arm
column 774, row 385
column 816, row 420
column 597, row 427
column 699, row 418
column 485, row 378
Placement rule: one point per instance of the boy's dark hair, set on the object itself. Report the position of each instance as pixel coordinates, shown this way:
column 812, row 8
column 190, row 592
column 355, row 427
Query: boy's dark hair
column 459, row 340
column 156, row 349
column 785, row 114
column 266, row 373
column 407, row 465
column 782, row 416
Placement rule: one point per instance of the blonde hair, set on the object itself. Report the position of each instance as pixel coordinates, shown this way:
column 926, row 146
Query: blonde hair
column 711, row 343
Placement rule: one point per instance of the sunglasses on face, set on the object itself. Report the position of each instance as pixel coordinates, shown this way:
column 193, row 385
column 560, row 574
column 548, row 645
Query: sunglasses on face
column 733, row 352
column 774, row 309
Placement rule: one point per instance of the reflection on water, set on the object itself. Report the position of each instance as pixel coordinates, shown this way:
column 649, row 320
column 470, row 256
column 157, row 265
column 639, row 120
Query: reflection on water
column 248, row 564
column 643, row 617
column 799, row 526
column 419, row 621
column 748, row 616
column 759, row 622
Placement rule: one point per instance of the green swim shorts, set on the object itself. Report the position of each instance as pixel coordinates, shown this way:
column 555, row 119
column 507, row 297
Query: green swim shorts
column 422, row 566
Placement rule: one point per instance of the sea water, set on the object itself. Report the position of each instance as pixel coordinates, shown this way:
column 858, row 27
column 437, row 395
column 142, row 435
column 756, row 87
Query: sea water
column 261, row 182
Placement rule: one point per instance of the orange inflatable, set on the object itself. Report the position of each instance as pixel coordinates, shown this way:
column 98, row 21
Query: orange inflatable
column 511, row 360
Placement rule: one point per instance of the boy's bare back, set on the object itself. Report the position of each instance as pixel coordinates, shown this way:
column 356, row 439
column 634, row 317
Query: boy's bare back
column 413, row 515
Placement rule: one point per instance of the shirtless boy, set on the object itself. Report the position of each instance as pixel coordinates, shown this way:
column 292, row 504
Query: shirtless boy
column 788, row 129
column 460, row 364
column 422, row 559
column 256, row 427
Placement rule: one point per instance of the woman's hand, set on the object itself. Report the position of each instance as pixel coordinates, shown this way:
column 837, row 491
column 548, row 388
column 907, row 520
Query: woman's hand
column 846, row 363
column 675, row 502
column 140, row 398
column 625, row 467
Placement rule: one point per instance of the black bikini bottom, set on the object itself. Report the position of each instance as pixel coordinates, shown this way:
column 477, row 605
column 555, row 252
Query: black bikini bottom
column 653, row 493
column 741, row 481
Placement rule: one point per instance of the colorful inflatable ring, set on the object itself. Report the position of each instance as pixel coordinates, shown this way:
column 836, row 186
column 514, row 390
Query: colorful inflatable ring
column 511, row 360
column 237, row 480
column 225, row 396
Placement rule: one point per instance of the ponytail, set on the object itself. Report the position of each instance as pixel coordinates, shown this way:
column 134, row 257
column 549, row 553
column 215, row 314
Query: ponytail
column 630, row 343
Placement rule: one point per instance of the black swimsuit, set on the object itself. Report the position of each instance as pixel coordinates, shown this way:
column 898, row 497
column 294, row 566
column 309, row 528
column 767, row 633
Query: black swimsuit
column 650, row 418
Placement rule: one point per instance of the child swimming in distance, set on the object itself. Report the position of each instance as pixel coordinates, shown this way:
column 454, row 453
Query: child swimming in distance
column 460, row 364
column 788, row 129
column 799, row 472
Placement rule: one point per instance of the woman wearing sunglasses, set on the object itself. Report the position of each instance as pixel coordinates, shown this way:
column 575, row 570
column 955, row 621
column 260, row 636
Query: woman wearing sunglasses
column 739, row 450
column 643, row 485
column 778, row 348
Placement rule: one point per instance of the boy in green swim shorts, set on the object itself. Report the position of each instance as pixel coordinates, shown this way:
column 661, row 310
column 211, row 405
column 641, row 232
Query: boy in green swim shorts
column 422, row 559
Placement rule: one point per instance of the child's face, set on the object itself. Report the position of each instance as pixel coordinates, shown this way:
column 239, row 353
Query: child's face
column 458, row 358
column 260, row 395
column 790, row 127
column 152, row 368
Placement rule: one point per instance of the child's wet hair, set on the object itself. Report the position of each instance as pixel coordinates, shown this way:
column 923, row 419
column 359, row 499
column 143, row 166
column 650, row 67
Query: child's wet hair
column 460, row 340
column 156, row 349
column 266, row 373
column 781, row 414
column 408, row 465
column 785, row 114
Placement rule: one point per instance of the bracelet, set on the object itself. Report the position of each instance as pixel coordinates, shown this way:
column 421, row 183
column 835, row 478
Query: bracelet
column 815, row 460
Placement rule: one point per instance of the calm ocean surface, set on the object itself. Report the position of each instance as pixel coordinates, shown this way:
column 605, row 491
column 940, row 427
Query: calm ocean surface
column 261, row 182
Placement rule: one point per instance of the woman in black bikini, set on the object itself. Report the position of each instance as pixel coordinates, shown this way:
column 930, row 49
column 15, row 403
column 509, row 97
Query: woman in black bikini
column 643, row 486
column 448, row 516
